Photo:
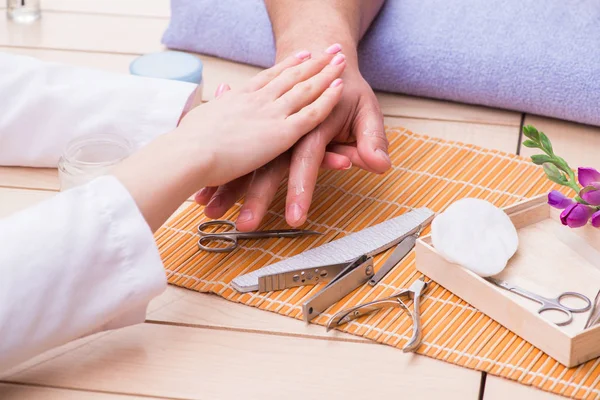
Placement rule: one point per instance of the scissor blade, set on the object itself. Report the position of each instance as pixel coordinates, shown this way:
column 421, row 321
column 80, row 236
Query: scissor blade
column 501, row 283
column 295, row 233
column 399, row 253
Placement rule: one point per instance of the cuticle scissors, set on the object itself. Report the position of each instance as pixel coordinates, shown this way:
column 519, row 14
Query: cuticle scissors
column 231, row 235
column 548, row 304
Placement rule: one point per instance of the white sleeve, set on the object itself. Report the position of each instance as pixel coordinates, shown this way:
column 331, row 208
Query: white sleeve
column 79, row 263
column 44, row 105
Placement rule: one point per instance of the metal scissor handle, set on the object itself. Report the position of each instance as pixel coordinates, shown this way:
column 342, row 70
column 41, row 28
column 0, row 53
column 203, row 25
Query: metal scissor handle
column 229, row 236
column 555, row 304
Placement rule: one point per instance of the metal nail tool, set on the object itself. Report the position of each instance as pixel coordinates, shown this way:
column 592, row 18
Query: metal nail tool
column 369, row 241
column 343, row 279
column 414, row 292
column 403, row 248
column 231, row 235
column 594, row 316
column 548, row 304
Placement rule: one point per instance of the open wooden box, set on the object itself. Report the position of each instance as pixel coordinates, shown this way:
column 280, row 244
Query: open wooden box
column 551, row 259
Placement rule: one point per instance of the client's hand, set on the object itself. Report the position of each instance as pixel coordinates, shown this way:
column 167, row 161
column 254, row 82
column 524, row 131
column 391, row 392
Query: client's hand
column 235, row 134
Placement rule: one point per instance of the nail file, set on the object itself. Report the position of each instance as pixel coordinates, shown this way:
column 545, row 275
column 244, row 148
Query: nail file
column 369, row 241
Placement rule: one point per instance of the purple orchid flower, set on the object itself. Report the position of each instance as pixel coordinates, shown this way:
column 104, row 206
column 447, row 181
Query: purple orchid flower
column 576, row 215
column 596, row 219
column 558, row 200
column 589, row 178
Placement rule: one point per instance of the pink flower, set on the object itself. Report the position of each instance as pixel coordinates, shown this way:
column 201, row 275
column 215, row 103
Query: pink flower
column 576, row 215
column 558, row 200
column 589, row 178
column 596, row 219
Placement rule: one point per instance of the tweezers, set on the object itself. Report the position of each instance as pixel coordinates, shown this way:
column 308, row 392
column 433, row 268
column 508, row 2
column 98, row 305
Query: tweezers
column 342, row 279
column 414, row 292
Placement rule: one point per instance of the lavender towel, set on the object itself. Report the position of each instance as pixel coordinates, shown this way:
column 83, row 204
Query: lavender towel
column 540, row 57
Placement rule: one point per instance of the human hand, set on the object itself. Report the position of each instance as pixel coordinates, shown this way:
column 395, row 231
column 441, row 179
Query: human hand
column 243, row 129
column 353, row 134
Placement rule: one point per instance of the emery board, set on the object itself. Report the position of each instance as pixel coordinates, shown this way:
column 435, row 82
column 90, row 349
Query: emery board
column 369, row 241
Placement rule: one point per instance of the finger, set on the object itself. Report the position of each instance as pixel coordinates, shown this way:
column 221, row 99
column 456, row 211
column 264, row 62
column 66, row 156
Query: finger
column 351, row 152
column 261, row 193
column 309, row 90
column 371, row 140
column 307, row 156
column 313, row 114
column 287, row 79
column 267, row 75
column 335, row 161
column 205, row 194
column 222, row 88
column 226, row 196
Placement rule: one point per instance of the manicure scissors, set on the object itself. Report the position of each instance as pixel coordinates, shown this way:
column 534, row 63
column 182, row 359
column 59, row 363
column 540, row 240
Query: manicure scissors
column 230, row 235
column 548, row 304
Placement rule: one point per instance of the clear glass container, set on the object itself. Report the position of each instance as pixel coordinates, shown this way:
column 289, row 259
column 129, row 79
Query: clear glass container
column 23, row 11
column 89, row 157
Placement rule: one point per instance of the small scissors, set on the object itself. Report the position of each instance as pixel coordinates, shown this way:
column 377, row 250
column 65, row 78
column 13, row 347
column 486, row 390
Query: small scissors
column 231, row 235
column 547, row 304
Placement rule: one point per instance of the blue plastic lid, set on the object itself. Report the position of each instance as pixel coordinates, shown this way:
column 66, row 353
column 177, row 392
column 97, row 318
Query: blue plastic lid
column 174, row 65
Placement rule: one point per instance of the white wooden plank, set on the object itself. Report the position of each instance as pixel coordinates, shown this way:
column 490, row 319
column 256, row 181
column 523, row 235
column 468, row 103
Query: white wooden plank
column 86, row 32
column 9, row 391
column 169, row 361
column 501, row 389
column 138, row 8
column 32, row 178
column 499, row 137
column 183, row 306
column 398, row 105
column 578, row 144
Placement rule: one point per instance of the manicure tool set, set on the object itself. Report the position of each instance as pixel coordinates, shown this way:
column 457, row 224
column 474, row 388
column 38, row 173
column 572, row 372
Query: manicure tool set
column 344, row 265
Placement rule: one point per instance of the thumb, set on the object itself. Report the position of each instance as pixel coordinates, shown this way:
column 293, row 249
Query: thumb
column 371, row 141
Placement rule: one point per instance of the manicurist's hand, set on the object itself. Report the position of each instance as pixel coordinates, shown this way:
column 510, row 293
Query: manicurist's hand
column 235, row 134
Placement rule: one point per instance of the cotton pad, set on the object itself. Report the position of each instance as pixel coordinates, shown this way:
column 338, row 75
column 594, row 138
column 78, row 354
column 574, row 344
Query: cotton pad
column 475, row 234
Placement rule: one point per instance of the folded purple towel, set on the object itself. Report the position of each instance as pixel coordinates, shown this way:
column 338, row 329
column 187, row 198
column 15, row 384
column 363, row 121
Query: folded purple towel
column 540, row 57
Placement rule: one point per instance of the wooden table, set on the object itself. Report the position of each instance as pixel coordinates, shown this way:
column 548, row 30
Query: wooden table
column 200, row 346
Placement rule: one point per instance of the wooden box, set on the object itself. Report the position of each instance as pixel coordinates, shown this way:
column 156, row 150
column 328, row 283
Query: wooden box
column 551, row 259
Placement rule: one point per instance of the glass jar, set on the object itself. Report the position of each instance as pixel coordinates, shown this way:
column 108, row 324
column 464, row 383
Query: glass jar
column 23, row 11
column 88, row 157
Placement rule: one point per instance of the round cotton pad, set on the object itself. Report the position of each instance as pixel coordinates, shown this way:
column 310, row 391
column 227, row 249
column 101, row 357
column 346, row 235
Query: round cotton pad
column 475, row 234
column 174, row 65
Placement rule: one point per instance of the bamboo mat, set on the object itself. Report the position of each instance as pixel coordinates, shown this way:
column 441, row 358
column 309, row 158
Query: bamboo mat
column 427, row 172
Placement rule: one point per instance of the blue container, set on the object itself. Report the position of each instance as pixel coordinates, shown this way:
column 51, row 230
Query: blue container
column 175, row 65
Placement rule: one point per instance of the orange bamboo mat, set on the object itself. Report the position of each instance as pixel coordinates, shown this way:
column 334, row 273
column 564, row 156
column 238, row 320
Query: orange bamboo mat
column 427, row 172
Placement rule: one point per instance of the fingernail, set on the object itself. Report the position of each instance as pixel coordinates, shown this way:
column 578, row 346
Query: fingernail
column 214, row 202
column 220, row 89
column 349, row 166
column 336, row 83
column 303, row 55
column 245, row 216
column 384, row 156
column 334, row 48
column 338, row 59
column 295, row 212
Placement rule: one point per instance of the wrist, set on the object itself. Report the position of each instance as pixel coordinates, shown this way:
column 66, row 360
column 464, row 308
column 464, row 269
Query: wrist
column 290, row 43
